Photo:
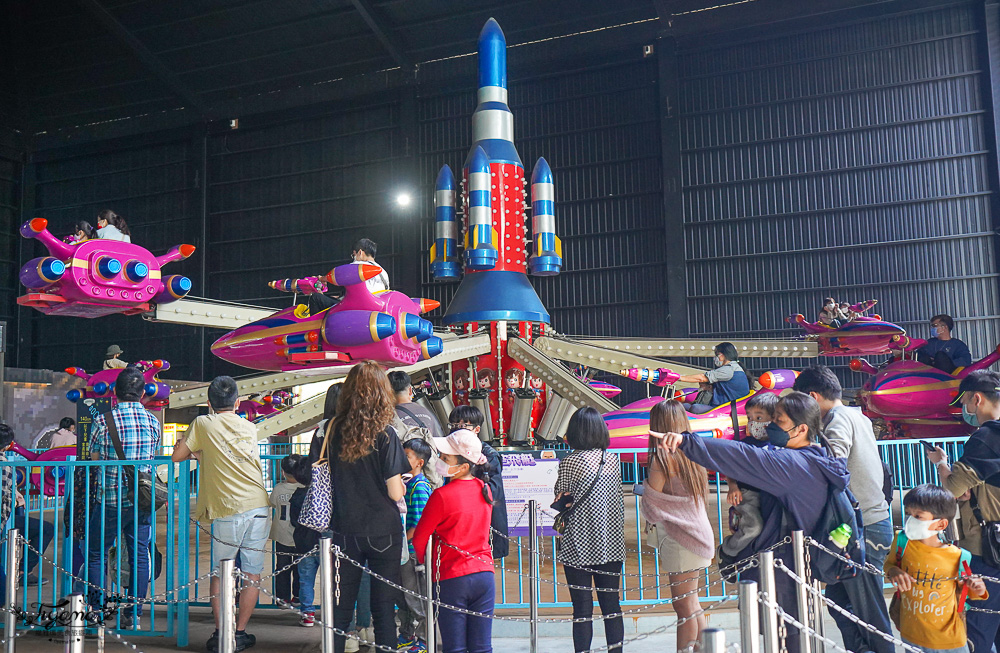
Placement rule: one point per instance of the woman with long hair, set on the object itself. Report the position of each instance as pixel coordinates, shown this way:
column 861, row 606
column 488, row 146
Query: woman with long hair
column 673, row 503
column 112, row 226
column 592, row 548
column 366, row 463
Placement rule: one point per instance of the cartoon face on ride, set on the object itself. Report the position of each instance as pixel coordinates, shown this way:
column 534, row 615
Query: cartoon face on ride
column 385, row 327
column 102, row 384
column 97, row 277
column 629, row 426
column 860, row 335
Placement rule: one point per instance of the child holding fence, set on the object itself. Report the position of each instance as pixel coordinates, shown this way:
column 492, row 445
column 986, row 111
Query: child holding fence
column 931, row 577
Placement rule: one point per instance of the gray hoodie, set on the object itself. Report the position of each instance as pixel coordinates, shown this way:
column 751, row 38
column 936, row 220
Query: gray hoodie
column 851, row 436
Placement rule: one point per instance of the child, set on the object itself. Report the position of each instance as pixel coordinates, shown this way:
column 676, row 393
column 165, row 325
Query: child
column 459, row 514
column 412, row 625
column 286, row 584
column 305, row 540
column 745, row 520
column 929, row 608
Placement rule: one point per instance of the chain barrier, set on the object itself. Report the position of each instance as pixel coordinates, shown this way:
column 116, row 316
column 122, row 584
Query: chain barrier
column 763, row 599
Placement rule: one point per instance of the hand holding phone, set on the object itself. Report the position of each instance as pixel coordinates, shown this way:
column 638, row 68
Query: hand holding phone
column 562, row 503
column 927, row 445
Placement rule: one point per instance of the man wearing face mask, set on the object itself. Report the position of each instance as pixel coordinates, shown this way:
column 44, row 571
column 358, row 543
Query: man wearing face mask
column 942, row 350
column 729, row 381
column 363, row 252
column 975, row 480
column 851, row 437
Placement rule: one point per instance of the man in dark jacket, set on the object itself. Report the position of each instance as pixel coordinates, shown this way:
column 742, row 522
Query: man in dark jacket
column 794, row 480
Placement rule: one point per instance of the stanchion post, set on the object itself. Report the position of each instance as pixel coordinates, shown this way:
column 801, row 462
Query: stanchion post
column 326, row 591
column 77, row 624
column 10, row 587
column 429, row 589
column 227, row 606
column 770, row 614
column 533, row 581
column 713, row 640
column 818, row 625
column 802, row 589
column 749, row 616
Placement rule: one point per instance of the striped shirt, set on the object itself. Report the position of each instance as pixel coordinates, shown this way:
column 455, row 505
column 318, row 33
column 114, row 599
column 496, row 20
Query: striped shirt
column 418, row 491
column 139, row 432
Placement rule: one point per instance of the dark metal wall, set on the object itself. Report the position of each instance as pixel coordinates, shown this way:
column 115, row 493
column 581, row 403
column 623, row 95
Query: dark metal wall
column 10, row 220
column 850, row 160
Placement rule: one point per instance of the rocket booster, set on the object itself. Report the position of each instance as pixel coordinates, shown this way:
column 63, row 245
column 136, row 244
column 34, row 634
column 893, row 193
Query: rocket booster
column 480, row 250
column 444, row 251
column 661, row 377
column 547, row 259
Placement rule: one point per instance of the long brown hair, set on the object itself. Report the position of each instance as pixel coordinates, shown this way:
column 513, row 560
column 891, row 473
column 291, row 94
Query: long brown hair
column 669, row 417
column 367, row 405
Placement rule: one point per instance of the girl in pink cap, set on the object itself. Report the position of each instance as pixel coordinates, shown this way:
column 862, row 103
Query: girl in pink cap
column 461, row 562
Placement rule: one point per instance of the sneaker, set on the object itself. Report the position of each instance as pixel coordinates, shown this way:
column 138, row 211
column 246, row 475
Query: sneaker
column 308, row 619
column 126, row 622
column 213, row 643
column 404, row 643
column 33, row 580
column 244, row 640
column 351, row 645
column 419, row 646
column 368, row 634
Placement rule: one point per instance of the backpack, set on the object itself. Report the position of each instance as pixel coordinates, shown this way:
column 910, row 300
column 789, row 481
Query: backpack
column 407, row 432
column 840, row 508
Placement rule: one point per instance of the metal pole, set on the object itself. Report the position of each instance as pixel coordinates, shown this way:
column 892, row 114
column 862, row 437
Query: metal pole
column 770, row 621
column 533, row 565
column 429, row 589
column 76, row 625
column 818, row 625
column 13, row 557
column 227, row 606
column 326, row 591
column 801, row 590
column 749, row 616
column 713, row 640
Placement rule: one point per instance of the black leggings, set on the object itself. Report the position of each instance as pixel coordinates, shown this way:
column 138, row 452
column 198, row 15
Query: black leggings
column 609, row 577
column 382, row 555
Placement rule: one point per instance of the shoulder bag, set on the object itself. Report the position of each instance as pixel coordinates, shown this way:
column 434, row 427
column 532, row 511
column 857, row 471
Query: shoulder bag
column 990, row 534
column 142, row 489
column 561, row 523
column 317, row 506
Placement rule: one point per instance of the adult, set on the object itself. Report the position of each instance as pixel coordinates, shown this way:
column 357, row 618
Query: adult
column 944, row 351
column 111, row 226
column 850, row 435
column 794, row 479
column 139, row 433
column 410, row 412
column 729, row 381
column 231, row 494
column 38, row 532
column 592, row 549
column 65, row 436
column 975, row 480
column 366, row 464
column 329, row 411
column 673, row 502
column 111, row 360
column 363, row 252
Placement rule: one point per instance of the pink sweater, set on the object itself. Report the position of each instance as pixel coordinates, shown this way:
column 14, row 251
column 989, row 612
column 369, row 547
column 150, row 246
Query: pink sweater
column 684, row 519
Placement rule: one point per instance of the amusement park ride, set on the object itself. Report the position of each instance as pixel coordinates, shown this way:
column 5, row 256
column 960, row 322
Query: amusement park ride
column 497, row 350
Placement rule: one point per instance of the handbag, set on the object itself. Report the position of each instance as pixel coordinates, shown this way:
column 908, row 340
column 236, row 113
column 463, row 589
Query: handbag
column 561, row 523
column 990, row 534
column 317, row 506
column 142, row 489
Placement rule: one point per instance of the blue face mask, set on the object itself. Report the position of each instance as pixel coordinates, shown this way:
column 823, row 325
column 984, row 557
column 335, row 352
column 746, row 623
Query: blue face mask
column 970, row 418
column 777, row 435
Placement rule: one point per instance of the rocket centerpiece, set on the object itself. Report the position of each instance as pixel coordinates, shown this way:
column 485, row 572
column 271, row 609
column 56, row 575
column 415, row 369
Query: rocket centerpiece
column 97, row 277
column 496, row 256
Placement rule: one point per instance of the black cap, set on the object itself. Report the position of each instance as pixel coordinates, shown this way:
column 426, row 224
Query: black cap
column 984, row 381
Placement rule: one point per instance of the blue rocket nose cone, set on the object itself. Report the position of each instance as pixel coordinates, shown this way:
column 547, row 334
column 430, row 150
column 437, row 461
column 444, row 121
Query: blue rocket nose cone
column 101, row 387
column 150, row 389
column 492, row 55
column 445, row 179
column 479, row 162
column 181, row 285
column 431, row 347
column 426, row 330
column 542, row 174
column 385, row 325
column 411, row 325
column 74, row 395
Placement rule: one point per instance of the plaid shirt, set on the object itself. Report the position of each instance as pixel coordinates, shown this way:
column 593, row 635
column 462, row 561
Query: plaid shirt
column 139, row 431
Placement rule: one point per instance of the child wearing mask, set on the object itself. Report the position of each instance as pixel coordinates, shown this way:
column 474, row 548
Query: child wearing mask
column 412, row 621
column 458, row 514
column 922, row 566
column 286, row 584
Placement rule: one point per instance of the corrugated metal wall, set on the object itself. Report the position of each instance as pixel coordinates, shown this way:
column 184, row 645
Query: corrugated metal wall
column 10, row 220
column 850, row 161
column 599, row 130
column 153, row 188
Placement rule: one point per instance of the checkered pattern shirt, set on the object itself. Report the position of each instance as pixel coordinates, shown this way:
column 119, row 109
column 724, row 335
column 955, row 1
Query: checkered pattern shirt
column 139, row 431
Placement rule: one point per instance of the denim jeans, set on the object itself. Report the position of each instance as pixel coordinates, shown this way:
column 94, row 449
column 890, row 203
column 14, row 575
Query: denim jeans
column 308, row 567
column 461, row 633
column 983, row 626
column 863, row 595
column 38, row 533
column 102, row 531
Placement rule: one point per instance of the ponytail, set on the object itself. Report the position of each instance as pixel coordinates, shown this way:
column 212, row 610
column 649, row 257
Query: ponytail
column 482, row 473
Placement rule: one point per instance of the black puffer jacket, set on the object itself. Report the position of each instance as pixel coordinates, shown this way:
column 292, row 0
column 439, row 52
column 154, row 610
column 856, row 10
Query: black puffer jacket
column 501, row 546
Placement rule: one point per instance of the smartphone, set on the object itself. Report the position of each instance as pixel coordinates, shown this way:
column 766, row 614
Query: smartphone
column 562, row 503
column 927, row 445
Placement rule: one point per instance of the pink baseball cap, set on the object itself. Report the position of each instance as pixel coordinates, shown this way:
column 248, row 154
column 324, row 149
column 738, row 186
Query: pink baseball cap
column 464, row 443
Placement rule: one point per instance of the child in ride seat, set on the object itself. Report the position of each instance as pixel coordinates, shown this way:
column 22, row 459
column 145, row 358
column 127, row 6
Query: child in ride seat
column 830, row 314
column 923, row 568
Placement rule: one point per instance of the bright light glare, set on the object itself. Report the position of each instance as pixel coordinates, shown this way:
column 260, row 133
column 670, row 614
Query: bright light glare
column 403, row 199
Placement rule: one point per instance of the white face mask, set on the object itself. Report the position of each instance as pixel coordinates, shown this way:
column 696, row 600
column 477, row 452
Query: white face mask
column 443, row 469
column 919, row 529
column 757, row 430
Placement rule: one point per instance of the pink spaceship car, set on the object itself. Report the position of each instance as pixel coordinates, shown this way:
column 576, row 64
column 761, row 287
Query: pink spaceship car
column 259, row 406
column 102, row 384
column 915, row 399
column 384, row 327
column 605, row 389
column 43, row 480
column 629, row 426
column 97, row 277
column 862, row 335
